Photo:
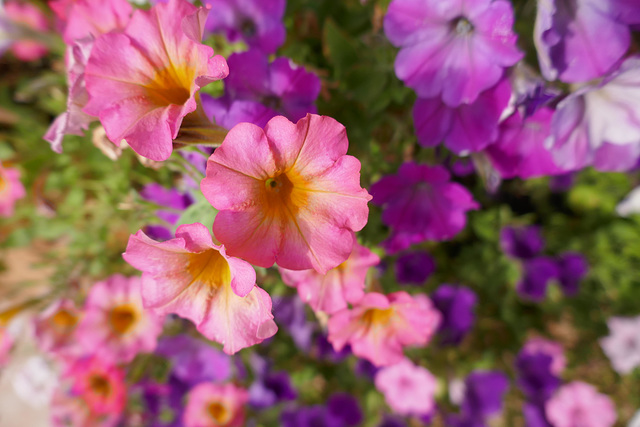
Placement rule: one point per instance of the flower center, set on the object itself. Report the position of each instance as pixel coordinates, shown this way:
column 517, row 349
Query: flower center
column 248, row 27
column 272, row 101
column 100, row 385
column 209, row 267
column 3, row 184
column 462, row 26
column 64, row 320
column 122, row 319
column 377, row 316
column 219, row 413
column 170, row 86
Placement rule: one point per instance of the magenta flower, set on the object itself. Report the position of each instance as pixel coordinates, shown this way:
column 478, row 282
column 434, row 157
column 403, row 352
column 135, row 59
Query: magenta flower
column 257, row 91
column 580, row 40
column 6, row 344
column 420, row 203
column 26, row 17
column 341, row 285
column 55, row 329
column 143, row 81
column 622, row 345
column 455, row 49
column 465, row 128
column 87, row 20
column 196, row 279
column 379, row 326
column 552, row 349
column 211, row 405
column 287, row 194
column 256, row 22
column 599, row 124
column 115, row 322
column 579, row 404
column 407, row 388
column 520, row 151
column 11, row 190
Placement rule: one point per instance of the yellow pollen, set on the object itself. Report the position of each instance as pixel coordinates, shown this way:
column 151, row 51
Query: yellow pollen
column 3, row 183
column 211, row 268
column 100, row 385
column 64, row 320
column 219, row 413
column 170, row 86
column 284, row 194
column 377, row 317
column 122, row 318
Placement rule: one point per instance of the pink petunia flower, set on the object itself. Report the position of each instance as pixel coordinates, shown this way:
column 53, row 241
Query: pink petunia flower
column 579, row 404
column 142, row 82
column 341, row 285
column 11, row 190
column 87, row 20
column 379, row 326
column 407, row 388
column 212, row 405
column 196, row 279
column 421, row 203
column 100, row 385
column 26, row 15
column 622, row 346
column 287, row 194
column 55, row 329
column 455, row 48
column 115, row 322
column 6, row 344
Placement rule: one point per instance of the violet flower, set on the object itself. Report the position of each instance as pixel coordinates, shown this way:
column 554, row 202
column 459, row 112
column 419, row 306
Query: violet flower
column 289, row 312
column 523, row 243
column 572, row 267
column 173, row 200
column 269, row 388
column 456, row 305
column 414, row 268
column 455, row 49
column 256, row 22
column 538, row 272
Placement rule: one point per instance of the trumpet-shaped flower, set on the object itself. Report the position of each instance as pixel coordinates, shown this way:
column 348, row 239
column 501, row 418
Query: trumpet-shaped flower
column 414, row 268
column 6, row 344
column 100, row 384
column 455, row 49
column 379, row 326
column 115, row 321
column 341, row 285
column 523, row 242
column 196, row 279
column 256, row 22
column 407, row 388
column 142, row 82
column 92, row 18
column 599, row 124
column 420, row 203
column 622, row 345
column 465, row 128
column 456, row 305
column 287, row 194
column 55, row 329
column 579, row 40
column 212, row 405
column 31, row 18
column 579, row 404
column 11, row 190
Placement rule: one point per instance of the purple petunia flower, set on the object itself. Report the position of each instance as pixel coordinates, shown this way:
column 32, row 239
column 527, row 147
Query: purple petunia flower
column 289, row 312
column 572, row 268
column 455, row 49
column 456, row 304
column 269, row 388
column 311, row 416
column 580, row 40
column 523, row 243
column 535, row 376
column 538, row 272
column 346, row 408
column 256, row 22
column 484, row 392
column 173, row 200
column 534, row 415
column 599, row 124
column 420, row 203
column 465, row 128
column 414, row 267
column 257, row 91
column 392, row 422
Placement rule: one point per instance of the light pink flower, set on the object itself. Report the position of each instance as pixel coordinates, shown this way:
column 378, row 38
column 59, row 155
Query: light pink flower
column 115, row 322
column 407, row 388
column 55, row 328
column 11, row 190
column 550, row 348
column 88, row 19
column 622, row 346
column 211, row 405
column 196, row 279
column 32, row 18
column 332, row 291
column 379, row 326
column 6, row 344
column 287, row 194
column 100, row 384
column 143, row 81
column 579, row 404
